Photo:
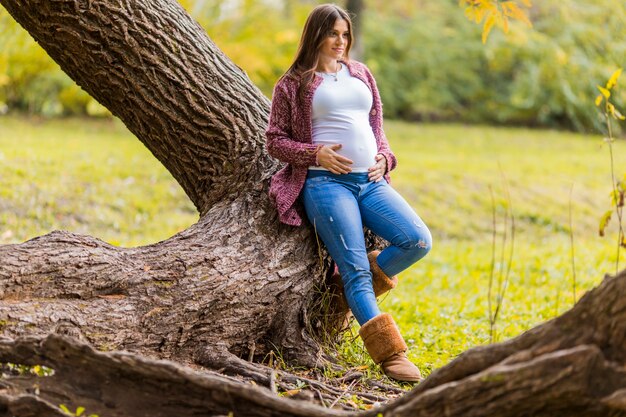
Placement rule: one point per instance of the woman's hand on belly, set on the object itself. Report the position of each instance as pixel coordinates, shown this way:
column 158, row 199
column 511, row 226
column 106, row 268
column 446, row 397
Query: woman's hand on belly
column 332, row 161
column 377, row 171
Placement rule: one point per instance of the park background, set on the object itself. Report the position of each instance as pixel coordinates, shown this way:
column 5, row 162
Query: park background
column 497, row 139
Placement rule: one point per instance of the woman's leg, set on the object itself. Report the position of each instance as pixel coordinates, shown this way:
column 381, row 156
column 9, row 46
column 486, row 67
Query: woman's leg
column 388, row 215
column 333, row 207
column 333, row 210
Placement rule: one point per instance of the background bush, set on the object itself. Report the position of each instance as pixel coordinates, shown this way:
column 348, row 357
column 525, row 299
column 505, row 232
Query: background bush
column 430, row 64
column 427, row 57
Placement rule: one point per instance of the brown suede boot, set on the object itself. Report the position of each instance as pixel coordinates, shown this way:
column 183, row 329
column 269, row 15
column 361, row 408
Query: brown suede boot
column 386, row 346
column 380, row 281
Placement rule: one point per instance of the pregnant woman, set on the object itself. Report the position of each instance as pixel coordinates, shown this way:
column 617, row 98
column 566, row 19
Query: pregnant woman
column 326, row 125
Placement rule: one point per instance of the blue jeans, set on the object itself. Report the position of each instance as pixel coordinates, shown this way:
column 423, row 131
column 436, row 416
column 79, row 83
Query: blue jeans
column 339, row 206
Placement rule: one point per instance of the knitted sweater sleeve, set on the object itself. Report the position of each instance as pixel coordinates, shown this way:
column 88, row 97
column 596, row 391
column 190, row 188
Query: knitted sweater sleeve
column 376, row 121
column 280, row 140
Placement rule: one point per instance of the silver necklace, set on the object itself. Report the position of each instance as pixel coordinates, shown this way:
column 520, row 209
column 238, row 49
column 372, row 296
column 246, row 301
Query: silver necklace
column 333, row 74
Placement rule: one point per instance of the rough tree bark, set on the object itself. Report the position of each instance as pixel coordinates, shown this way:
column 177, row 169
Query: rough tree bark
column 237, row 279
column 570, row 366
column 237, row 282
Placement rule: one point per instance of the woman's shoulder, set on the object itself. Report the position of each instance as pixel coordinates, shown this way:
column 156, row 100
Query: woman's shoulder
column 287, row 83
column 354, row 64
column 286, row 88
column 358, row 68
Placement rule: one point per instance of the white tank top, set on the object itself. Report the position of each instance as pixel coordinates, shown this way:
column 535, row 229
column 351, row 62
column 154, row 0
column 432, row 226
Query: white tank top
column 341, row 115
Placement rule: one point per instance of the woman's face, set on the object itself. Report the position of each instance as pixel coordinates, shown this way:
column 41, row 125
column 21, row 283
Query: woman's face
column 335, row 44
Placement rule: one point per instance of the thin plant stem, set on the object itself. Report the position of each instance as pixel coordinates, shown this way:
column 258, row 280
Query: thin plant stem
column 509, row 212
column 493, row 266
column 512, row 247
column 571, row 238
column 501, row 267
column 618, row 210
column 504, row 281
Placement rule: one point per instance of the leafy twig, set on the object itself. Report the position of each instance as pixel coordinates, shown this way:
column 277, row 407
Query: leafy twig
column 617, row 200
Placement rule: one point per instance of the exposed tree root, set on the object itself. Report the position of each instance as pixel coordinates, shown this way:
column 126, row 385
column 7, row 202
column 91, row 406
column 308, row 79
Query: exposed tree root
column 570, row 366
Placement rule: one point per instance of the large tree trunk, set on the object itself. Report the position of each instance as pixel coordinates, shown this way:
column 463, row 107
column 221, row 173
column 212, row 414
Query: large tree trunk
column 237, row 279
column 236, row 283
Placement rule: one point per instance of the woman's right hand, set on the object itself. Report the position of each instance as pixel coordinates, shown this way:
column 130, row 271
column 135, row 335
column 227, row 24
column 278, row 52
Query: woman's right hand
column 332, row 161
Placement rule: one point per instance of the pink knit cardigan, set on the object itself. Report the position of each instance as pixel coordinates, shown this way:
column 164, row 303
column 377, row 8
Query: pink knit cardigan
column 289, row 139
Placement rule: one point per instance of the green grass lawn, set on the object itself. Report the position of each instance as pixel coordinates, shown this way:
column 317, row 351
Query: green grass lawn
column 93, row 177
column 85, row 176
column 448, row 174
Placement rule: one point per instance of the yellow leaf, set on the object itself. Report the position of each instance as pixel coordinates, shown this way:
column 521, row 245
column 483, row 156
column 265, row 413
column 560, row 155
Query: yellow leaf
column 613, row 80
column 476, row 12
column 480, row 13
column 494, row 13
column 291, row 392
column 614, row 197
column 606, row 93
column 491, row 6
column 614, row 112
column 470, row 13
column 599, row 100
column 617, row 114
column 506, row 7
column 511, row 9
column 604, row 221
column 491, row 20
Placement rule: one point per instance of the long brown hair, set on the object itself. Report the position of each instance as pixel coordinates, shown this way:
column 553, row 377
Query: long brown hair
column 317, row 28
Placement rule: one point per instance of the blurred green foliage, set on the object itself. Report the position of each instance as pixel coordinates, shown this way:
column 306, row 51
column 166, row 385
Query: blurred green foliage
column 431, row 65
column 30, row 81
column 427, row 57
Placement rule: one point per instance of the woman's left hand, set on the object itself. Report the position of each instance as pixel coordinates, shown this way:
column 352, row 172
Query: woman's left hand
column 376, row 172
